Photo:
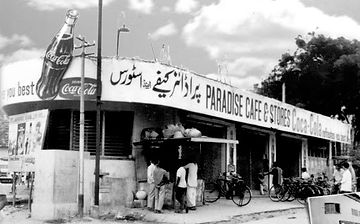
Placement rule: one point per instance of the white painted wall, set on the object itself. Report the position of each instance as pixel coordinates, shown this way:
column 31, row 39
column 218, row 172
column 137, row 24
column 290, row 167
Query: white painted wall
column 56, row 184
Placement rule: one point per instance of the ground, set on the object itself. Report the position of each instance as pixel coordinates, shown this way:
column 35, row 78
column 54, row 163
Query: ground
column 20, row 214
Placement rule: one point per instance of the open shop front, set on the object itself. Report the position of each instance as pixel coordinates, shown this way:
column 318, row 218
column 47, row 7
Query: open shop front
column 212, row 155
column 288, row 154
column 252, row 154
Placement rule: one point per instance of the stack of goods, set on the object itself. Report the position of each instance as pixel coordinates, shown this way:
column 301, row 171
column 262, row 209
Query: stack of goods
column 178, row 131
column 171, row 131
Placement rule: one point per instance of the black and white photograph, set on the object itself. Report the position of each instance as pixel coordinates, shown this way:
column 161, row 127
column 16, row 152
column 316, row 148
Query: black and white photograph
column 180, row 112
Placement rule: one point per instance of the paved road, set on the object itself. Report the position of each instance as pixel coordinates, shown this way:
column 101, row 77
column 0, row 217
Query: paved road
column 296, row 216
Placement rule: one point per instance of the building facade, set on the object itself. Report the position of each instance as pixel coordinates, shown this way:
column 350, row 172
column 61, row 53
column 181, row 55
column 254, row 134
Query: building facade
column 138, row 95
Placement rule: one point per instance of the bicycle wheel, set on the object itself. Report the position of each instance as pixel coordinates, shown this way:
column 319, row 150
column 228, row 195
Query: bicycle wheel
column 291, row 194
column 303, row 193
column 241, row 195
column 212, row 192
column 276, row 193
column 286, row 194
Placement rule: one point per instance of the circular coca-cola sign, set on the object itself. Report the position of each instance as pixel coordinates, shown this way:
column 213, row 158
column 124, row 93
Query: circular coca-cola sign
column 70, row 88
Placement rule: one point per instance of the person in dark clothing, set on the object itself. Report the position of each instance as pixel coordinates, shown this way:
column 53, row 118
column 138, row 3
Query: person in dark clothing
column 180, row 190
column 276, row 171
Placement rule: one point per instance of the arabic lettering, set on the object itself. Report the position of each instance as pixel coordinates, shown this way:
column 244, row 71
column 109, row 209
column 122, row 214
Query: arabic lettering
column 126, row 77
column 166, row 84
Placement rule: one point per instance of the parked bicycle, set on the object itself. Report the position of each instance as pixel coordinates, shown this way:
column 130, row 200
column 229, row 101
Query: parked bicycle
column 295, row 188
column 232, row 187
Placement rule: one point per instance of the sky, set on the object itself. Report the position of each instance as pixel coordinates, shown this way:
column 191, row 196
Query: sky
column 244, row 38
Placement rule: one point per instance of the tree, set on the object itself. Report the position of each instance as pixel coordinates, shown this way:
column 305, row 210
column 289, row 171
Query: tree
column 322, row 75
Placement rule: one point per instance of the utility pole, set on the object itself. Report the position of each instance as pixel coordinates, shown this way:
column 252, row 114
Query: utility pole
column 83, row 45
column 98, row 107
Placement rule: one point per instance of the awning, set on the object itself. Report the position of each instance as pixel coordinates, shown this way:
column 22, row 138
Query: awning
column 188, row 139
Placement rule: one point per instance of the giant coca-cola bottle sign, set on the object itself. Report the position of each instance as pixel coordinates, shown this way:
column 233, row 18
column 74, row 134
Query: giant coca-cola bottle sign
column 57, row 59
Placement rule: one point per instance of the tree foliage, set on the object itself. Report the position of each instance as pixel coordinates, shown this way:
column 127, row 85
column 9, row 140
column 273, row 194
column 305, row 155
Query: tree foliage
column 322, row 75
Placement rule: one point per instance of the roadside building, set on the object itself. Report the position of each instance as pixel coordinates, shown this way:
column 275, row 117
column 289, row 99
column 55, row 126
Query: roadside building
column 238, row 129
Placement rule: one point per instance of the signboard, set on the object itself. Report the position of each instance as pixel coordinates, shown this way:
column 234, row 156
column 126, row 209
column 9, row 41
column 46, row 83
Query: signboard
column 335, row 209
column 18, row 82
column 26, row 137
column 154, row 83
column 70, row 88
column 133, row 80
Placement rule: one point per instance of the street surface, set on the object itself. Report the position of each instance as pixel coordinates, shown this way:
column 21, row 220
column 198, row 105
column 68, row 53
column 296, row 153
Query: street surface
column 260, row 210
column 20, row 214
column 296, row 216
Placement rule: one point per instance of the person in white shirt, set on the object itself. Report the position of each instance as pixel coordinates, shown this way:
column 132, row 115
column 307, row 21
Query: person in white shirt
column 180, row 191
column 191, row 184
column 346, row 182
column 304, row 174
column 151, row 189
column 337, row 176
column 353, row 177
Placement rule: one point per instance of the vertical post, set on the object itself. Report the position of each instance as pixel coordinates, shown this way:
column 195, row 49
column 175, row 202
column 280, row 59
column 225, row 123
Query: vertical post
column 330, row 159
column 98, row 106
column 117, row 43
column 13, row 188
column 84, row 44
column 31, row 189
column 82, row 128
column 283, row 92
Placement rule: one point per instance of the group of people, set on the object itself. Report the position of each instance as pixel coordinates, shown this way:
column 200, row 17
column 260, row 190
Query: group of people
column 185, row 186
column 344, row 178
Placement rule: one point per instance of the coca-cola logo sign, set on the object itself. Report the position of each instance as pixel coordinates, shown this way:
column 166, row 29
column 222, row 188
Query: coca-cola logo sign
column 70, row 88
column 58, row 59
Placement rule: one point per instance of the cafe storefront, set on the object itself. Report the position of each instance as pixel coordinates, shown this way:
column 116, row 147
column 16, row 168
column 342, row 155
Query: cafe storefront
column 237, row 128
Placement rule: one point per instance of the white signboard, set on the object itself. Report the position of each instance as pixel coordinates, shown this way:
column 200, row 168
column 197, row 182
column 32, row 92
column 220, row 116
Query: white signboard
column 334, row 209
column 26, row 137
column 132, row 80
column 154, row 83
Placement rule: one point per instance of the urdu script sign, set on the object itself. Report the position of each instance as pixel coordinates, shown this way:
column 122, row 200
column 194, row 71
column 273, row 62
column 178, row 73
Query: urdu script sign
column 155, row 83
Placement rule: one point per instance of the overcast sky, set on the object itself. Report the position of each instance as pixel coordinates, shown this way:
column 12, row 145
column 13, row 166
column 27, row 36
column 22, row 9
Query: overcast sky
column 248, row 36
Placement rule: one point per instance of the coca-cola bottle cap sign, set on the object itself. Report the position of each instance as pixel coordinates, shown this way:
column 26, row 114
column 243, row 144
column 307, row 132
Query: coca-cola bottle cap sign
column 71, row 16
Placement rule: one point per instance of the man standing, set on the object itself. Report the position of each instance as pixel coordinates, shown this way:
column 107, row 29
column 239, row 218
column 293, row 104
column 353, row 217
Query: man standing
column 337, row 176
column 346, row 183
column 180, row 191
column 353, row 177
column 191, row 184
column 161, row 178
column 304, row 174
column 150, row 180
column 276, row 171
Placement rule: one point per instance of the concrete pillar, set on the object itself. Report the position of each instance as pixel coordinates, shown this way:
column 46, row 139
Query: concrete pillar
column 304, row 153
column 56, row 181
column 231, row 148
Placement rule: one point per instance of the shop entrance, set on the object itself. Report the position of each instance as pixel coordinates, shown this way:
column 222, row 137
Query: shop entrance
column 211, row 155
column 252, row 156
column 288, row 151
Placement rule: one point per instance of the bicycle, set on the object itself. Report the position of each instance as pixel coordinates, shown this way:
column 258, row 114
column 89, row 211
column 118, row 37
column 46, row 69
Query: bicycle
column 294, row 188
column 233, row 187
